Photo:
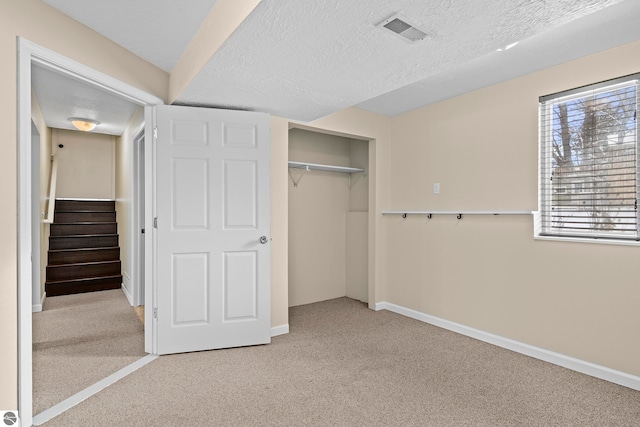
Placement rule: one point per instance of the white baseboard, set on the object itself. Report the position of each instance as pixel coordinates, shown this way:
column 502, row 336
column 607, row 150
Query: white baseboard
column 602, row 372
column 279, row 330
column 126, row 288
column 36, row 308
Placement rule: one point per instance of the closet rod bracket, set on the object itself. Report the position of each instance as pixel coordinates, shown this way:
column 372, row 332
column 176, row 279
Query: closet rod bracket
column 295, row 180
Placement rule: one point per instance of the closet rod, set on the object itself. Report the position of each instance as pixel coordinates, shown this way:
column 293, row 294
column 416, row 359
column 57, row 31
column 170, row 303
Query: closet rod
column 319, row 167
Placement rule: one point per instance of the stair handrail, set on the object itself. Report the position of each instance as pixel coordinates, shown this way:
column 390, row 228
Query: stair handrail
column 53, row 180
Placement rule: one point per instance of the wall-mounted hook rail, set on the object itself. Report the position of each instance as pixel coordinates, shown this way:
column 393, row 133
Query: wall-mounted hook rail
column 458, row 214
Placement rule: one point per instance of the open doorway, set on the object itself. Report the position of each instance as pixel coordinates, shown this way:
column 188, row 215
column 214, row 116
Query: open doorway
column 30, row 54
column 331, row 195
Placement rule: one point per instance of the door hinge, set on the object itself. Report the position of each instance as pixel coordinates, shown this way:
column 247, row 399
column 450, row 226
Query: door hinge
column 155, row 222
column 142, row 231
column 155, row 132
column 155, row 312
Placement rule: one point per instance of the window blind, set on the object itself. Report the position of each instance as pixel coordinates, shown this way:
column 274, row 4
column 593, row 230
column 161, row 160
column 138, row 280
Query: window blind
column 588, row 167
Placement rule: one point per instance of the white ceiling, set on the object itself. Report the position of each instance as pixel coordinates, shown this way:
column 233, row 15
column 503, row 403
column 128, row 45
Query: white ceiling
column 156, row 30
column 304, row 59
column 61, row 97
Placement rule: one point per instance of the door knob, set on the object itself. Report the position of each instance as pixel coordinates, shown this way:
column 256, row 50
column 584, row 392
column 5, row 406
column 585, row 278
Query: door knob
column 264, row 240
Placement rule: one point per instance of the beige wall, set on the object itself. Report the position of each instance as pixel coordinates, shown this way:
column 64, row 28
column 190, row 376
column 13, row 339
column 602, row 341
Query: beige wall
column 41, row 24
column 487, row 272
column 86, row 165
column 124, row 194
column 357, row 225
column 356, row 255
column 279, row 222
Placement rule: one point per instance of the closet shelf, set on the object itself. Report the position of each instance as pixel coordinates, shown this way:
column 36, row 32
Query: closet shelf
column 328, row 168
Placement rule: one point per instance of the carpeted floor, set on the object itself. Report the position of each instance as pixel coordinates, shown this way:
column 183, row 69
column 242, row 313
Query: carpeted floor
column 79, row 340
column 344, row 365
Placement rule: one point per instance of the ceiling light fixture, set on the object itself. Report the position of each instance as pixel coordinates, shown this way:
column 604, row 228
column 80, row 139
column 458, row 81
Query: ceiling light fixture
column 85, row 125
column 507, row 47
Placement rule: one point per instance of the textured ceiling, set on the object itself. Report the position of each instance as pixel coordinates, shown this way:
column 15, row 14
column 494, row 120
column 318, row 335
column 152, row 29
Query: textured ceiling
column 303, row 59
column 156, row 30
column 61, row 97
column 608, row 28
column 306, row 59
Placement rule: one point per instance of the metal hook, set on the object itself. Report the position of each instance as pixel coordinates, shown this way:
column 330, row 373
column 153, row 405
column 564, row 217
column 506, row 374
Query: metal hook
column 404, row 215
column 459, row 216
column 429, row 216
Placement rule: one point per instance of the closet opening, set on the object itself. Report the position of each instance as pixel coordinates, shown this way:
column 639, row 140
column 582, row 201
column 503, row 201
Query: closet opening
column 329, row 192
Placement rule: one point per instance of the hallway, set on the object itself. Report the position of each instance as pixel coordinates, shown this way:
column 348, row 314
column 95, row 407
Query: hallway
column 79, row 340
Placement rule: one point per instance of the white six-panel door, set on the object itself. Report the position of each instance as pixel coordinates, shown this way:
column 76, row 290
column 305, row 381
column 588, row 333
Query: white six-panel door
column 213, row 229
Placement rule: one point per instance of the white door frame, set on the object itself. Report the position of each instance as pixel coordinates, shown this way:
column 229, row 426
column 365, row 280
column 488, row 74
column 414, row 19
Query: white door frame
column 36, row 303
column 29, row 53
column 137, row 219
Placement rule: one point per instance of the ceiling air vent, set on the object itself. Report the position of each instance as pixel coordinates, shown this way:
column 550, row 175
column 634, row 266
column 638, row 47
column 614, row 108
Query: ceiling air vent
column 400, row 26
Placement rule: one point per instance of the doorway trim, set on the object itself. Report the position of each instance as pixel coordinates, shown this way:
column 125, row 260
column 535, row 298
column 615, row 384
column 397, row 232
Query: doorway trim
column 137, row 220
column 30, row 53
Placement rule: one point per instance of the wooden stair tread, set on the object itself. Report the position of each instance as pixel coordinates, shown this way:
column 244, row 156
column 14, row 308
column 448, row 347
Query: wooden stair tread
column 84, row 249
column 85, row 223
column 78, row 264
column 67, row 287
column 84, row 279
column 83, row 235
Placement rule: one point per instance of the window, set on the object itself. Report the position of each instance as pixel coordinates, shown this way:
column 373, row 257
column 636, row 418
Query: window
column 588, row 167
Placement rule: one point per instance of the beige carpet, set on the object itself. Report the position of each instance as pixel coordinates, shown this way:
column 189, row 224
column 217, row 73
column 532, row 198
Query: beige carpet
column 79, row 340
column 344, row 365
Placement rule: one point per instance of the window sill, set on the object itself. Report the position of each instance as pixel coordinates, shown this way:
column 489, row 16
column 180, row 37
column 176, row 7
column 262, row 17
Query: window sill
column 600, row 241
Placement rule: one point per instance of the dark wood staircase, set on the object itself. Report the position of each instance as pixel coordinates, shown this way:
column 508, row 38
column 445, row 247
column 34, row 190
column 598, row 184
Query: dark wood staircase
column 84, row 253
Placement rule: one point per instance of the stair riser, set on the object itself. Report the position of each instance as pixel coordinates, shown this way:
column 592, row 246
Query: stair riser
column 74, row 217
column 79, row 229
column 85, row 205
column 80, row 286
column 86, row 255
column 66, row 242
column 71, row 272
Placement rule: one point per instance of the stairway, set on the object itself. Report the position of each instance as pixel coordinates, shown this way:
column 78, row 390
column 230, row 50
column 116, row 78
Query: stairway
column 84, row 253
